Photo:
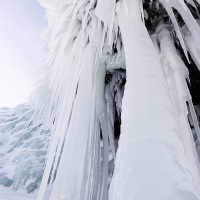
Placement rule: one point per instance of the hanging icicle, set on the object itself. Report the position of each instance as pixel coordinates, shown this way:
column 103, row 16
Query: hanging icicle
column 176, row 74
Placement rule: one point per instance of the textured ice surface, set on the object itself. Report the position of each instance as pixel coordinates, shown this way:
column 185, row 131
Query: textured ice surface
column 23, row 148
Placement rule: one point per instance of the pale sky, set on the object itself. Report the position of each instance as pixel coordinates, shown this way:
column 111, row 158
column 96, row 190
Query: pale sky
column 21, row 25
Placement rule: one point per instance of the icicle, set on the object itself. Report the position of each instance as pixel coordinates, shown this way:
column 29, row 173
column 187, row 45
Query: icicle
column 179, row 93
column 142, row 10
column 176, row 26
column 104, row 190
column 111, row 137
column 155, row 42
column 73, row 158
column 105, row 11
column 191, row 2
column 91, row 184
column 198, row 1
column 139, row 152
column 109, row 95
column 191, row 23
column 97, row 165
column 194, row 119
column 101, row 110
column 60, row 133
column 192, row 46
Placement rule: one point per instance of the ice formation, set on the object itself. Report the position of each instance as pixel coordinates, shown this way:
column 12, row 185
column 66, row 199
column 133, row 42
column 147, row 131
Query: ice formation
column 115, row 94
column 23, row 148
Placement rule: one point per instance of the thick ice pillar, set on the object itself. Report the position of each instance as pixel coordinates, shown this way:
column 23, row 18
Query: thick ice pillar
column 176, row 73
column 150, row 162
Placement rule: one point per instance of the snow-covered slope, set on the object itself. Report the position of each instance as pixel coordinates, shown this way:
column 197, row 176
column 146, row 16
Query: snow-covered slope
column 23, row 148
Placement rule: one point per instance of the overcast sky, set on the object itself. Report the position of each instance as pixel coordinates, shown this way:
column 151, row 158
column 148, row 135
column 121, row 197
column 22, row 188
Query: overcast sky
column 21, row 22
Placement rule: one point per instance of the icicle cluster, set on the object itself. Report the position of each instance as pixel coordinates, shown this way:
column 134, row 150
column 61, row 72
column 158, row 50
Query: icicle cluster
column 73, row 100
column 87, row 41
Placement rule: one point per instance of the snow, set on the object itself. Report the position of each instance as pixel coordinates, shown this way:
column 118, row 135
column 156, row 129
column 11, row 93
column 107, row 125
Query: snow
column 23, row 148
column 8, row 193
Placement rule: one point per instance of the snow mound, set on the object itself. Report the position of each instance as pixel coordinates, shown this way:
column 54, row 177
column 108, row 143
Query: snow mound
column 23, row 148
